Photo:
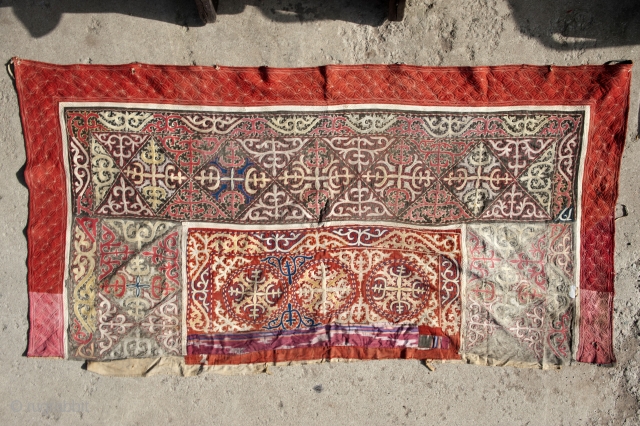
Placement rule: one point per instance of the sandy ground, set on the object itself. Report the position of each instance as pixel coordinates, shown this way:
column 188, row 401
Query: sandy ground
column 280, row 33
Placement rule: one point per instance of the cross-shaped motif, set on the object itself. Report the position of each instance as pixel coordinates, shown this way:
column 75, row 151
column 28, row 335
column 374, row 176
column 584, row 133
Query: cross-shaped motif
column 478, row 178
column 325, row 290
column 399, row 179
column 516, row 155
column 232, row 178
column 272, row 160
column 248, row 292
column 491, row 177
column 485, row 291
column 383, row 289
column 137, row 286
column 319, row 156
column 363, row 265
column 153, row 157
column 231, row 186
column 316, row 176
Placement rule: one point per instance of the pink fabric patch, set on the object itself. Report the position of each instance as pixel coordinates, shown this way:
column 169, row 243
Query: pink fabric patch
column 46, row 334
column 596, row 345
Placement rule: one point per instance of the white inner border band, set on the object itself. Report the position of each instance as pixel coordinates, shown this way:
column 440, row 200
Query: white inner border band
column 315, row 109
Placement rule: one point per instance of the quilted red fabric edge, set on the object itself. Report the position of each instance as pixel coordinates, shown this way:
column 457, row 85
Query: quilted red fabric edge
column 605, row 88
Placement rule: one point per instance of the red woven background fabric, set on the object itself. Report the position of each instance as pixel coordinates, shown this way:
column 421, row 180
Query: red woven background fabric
column 41, row 87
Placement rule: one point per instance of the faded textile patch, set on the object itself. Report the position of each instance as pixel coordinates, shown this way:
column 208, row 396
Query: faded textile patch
column 362, row 286
column 520, row 293
column 125, row 291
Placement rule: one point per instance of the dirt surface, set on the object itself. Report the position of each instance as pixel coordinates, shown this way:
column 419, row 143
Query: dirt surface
column 280, row 33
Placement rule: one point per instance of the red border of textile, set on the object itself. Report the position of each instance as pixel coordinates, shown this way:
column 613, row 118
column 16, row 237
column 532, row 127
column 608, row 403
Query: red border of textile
column 605, row 88
column 325, row 353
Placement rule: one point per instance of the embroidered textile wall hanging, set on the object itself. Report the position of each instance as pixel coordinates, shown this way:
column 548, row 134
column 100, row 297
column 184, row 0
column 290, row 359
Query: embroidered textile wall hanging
column 243, row 215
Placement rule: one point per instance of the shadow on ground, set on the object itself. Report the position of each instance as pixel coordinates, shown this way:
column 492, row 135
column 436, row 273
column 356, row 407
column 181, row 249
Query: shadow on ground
column 558, row 24
column 579, row 24
column 40, row 17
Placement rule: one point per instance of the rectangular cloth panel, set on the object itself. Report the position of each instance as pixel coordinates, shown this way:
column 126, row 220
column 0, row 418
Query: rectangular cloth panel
column 240, row 215
column 351, row 286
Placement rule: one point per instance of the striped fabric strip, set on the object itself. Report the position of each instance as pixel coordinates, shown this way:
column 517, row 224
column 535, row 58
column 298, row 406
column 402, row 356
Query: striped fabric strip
column 405, row 336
